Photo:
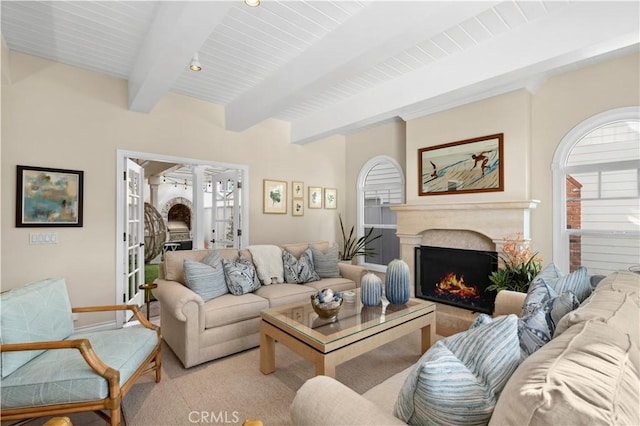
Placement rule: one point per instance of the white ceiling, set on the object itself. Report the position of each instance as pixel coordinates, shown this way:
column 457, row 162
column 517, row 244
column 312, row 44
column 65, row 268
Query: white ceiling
column 326, row 67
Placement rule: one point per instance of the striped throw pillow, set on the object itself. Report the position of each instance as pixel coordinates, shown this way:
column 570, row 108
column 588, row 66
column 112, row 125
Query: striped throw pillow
column 205, row 280
column 326, row 264
column 458, row 380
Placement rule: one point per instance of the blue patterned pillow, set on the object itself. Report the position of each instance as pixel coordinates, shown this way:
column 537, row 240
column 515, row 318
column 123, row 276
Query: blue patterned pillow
column 241, row 276
column 298, row 271
column 458, row 380
column 326, row 264
column 205, row 280
column 537, row 327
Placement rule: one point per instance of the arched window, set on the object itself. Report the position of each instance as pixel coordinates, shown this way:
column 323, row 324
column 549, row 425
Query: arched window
column 596, row 194
column 380, row 185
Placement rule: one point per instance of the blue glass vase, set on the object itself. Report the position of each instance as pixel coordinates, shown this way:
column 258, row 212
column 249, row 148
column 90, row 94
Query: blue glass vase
column 370, row 289
column 398, row 282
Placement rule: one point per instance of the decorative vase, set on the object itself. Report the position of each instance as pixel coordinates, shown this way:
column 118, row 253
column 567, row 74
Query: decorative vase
column 397, row 282
column 370, row 289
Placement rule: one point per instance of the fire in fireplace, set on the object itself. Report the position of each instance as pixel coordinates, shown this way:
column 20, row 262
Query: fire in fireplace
column 457, row 277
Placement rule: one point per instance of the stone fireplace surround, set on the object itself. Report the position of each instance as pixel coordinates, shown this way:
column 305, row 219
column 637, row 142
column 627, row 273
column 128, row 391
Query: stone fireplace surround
column 472, row 225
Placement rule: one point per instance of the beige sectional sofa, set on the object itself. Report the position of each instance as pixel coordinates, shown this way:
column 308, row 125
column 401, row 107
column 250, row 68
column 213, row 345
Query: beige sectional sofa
column 199, row 331
column 587, row 374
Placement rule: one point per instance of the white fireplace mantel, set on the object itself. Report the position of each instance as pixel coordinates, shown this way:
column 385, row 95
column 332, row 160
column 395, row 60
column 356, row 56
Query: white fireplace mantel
column 495, row 220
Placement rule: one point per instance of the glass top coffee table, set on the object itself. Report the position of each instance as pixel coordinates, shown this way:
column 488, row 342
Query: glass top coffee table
column 356, row 330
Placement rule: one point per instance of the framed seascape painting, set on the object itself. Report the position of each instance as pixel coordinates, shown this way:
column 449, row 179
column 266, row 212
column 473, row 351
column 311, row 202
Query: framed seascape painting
column 315, row 197
column 297, row 207
column 47, row 197
column 472, row 165
column 330, row 198
column 274, row 196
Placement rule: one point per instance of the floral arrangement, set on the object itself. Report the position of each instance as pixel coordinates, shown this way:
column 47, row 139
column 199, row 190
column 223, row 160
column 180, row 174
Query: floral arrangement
column 518, row 266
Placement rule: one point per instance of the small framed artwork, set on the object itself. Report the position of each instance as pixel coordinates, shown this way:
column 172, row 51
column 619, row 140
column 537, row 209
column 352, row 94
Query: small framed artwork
column 274, row 196
column 315, row 197
column 297, row 189
column 297, row 207
column 330, row 198
column 48, row 197
column 471, row 165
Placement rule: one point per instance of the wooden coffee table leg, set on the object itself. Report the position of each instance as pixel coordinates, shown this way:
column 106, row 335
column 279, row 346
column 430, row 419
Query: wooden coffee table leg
column 428, row 336
column 267, row 352
column 325, row 367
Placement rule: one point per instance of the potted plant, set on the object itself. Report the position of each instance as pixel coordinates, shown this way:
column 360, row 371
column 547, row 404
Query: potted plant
column 518, row 268
column 352, row 246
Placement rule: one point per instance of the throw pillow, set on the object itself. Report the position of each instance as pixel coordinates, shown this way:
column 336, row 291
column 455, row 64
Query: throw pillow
column 205, row 280
column 577, row 282
column 458, row 380
column 537, row 295
column 298, row 271
column 241, row 276
column 538, row 327
column 326, row 264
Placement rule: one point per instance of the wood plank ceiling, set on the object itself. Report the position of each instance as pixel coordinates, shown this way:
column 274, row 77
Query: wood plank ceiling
column 326, row 67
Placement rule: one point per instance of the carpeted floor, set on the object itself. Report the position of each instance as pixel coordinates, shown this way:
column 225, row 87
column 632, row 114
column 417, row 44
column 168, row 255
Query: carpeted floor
column 232, row 389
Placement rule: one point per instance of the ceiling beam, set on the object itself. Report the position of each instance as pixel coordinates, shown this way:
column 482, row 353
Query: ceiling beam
column 579, row 32
column 177, row 32
column 379, row 31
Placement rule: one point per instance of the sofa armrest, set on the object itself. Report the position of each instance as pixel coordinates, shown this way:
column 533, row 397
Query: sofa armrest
column 175, row 296
column 325, row 401
column 352, row 272
column 509, row 302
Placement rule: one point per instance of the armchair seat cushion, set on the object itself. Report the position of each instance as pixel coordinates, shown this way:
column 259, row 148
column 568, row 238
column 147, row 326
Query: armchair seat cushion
column 230, row 309
column 61, row 376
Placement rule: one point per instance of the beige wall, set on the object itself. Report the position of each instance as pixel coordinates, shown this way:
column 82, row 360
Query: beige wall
column 63, row 117
column 533, row 126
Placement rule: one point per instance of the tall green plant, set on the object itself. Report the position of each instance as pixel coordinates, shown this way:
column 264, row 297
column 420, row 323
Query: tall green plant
column 352, row 246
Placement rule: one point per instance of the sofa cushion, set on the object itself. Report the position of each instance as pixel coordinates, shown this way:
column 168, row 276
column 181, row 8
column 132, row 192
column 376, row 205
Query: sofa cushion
column 174, row 261
column 205, row 279
column 335, row 284
column 298, row 248
column 298, row 271
column 230, row 309
column 241, row 276
column 619, row 308
column 39, row 311
column 583, row 376
column 267, row 259
column 326, row 262
column 62, row 375
column 281, row 294
column 458, row 380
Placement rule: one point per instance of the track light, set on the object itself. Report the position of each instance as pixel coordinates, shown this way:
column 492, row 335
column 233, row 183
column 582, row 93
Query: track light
column 195, row 63
column 252, row 3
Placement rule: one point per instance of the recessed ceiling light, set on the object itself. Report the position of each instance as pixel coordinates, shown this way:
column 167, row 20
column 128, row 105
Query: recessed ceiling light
column 195, row 63
column 252, row 3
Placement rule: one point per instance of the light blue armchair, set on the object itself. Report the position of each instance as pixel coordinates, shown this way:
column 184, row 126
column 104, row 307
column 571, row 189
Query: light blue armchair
column 47, row 369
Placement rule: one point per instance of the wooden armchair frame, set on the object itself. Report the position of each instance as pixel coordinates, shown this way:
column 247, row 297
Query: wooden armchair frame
column 112, row 402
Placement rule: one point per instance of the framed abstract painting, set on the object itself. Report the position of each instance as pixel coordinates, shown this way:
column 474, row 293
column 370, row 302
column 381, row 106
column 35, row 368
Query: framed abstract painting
column 47, row 197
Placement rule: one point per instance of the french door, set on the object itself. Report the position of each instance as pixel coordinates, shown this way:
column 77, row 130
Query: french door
column 226, row 200
column 133, row 238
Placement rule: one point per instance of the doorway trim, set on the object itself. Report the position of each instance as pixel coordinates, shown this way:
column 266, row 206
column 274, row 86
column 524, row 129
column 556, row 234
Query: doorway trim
column 121, row 160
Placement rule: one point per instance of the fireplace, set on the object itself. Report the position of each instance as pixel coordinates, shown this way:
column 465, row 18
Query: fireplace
column 457, row 277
